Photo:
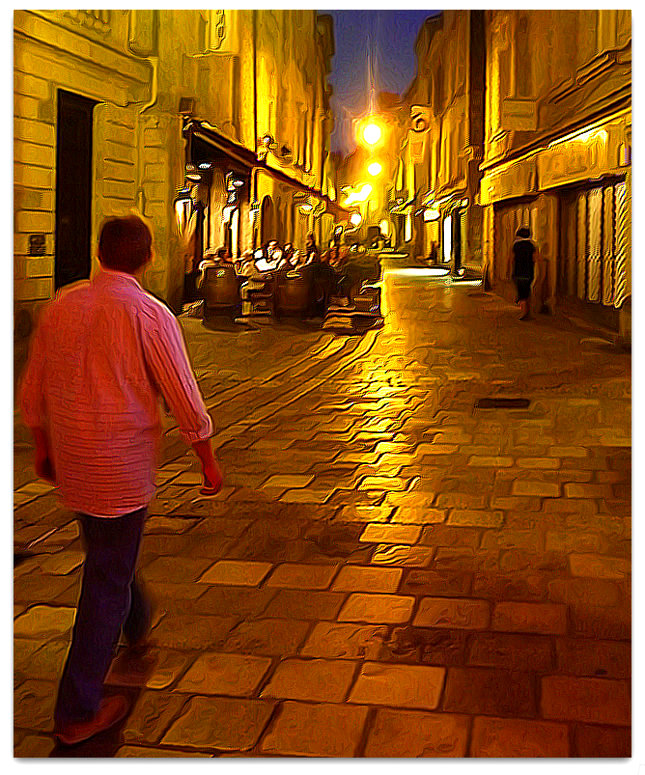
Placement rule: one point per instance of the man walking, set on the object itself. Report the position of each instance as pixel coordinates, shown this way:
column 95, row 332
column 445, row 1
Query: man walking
column 103, row 354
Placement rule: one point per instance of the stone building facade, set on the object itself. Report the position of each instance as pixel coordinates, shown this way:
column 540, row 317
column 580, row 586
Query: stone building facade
column 116, row 110
column 557, row 155
column 443, row 146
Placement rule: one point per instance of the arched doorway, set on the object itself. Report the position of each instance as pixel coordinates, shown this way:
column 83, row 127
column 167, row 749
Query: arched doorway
column 267, row 220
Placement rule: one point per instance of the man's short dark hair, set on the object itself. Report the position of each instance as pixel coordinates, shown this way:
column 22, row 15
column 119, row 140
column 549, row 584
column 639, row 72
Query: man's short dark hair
column 125, row 244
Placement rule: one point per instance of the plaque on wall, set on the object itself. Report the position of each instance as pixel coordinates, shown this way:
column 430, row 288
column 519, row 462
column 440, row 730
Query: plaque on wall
column 37, row 245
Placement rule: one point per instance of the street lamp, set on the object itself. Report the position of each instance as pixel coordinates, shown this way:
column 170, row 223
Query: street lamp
column 372, row 133
column 375, row 168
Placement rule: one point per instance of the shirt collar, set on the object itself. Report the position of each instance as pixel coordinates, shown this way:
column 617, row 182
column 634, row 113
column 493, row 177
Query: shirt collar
column 105, row 275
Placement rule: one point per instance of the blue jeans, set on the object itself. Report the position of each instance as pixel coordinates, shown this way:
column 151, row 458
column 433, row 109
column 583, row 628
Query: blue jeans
column 111, row 599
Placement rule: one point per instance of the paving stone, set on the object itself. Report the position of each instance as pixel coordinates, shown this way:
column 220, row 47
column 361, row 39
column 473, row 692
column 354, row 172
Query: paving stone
column 360, row 578
column 569, row 541
column 473, row 518
column 518, row 738
column 315, row 730
column 450, row 535
column 525, row 653
column 386, row 483
column 543, row 618
column 406, row 556
column 520, row 586
column 272, row 637
column 593, row 658
column 490, row 692
column 599, row 566
column 391, row 534
column 515, row 560
column 238, row 675
column 452, row 613
column 460, row 500
column 23, row 651
column 539, row 462
column 377, row 609
column 405, row 734
column 539, row 489
column 220, row 723
column 509, row 502
column 512, row 538
column 46, row 663
column 33, row 705
column 236, row 573
column 351, row 641
column 179, row 569
column 44, row 622
column 156, row 669
column 305, row 604
column 563, row 451
column 306, row 495
column 577, row 490
column 426, row 646
column 139, row 751
column 192, row 632
column 490, row 461
column 466, row 559
column 418, row 515
column 296, row 576
column 436, row 582
column 405, row 686
column 590, row 621
column 361, row 513
column 584, row 591
column 34, row 747
column 597, row 742
column 316, row 680
column 288, row 482
column 591, row 700
column 151, row 716
column 61, row 563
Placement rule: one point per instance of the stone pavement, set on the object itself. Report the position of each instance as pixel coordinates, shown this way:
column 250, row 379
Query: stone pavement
column 390, row 570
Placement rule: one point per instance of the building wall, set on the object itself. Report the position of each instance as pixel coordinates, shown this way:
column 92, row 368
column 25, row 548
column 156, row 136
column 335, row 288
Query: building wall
column 558, row 130
column 446, row 160
column 138, row 65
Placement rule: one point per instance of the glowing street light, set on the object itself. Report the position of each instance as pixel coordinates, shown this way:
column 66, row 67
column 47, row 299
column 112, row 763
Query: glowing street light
column 372, row 133
column 355, row 219
column 375, row 169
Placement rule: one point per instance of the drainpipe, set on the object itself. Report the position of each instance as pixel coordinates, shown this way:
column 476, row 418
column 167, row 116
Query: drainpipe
column 153, row 61
column 256, row 170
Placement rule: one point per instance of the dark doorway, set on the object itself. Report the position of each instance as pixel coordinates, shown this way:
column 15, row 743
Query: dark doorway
column 73, row 188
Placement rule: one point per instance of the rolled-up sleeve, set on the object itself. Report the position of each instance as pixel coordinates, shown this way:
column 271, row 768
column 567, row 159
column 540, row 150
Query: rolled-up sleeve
column 32, row 384
column 167, row 359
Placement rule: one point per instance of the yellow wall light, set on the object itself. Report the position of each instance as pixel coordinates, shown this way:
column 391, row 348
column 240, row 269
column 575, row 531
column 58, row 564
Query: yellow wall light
column 355, row 219
column 375, row 168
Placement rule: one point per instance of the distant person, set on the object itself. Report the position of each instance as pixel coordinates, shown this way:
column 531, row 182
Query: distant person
column 311, row 249
column 524, row 251
column 433, row 253
column 102, row 356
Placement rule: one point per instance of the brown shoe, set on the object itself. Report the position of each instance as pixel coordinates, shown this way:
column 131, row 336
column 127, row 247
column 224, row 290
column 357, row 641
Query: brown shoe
column 111, row 711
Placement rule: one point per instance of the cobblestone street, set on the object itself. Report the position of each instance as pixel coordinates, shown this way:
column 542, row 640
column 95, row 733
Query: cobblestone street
column 390, row 569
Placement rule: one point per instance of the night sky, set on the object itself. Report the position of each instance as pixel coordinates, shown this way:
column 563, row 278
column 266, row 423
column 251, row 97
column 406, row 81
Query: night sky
column 390, row 36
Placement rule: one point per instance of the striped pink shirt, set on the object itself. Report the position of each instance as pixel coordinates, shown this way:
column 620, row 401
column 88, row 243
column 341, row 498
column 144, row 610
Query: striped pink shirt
column 103, row 353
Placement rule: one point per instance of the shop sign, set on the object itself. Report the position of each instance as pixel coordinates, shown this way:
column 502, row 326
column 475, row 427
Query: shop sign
column 517, row 178
column 586, row 156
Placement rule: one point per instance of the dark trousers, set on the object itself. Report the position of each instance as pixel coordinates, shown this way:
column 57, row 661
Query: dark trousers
column 111, row 599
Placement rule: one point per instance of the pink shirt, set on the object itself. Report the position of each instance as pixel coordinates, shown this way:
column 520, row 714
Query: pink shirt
column 103, row 353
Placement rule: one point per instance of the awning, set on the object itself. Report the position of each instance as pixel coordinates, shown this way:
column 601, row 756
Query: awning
column 240, row 153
